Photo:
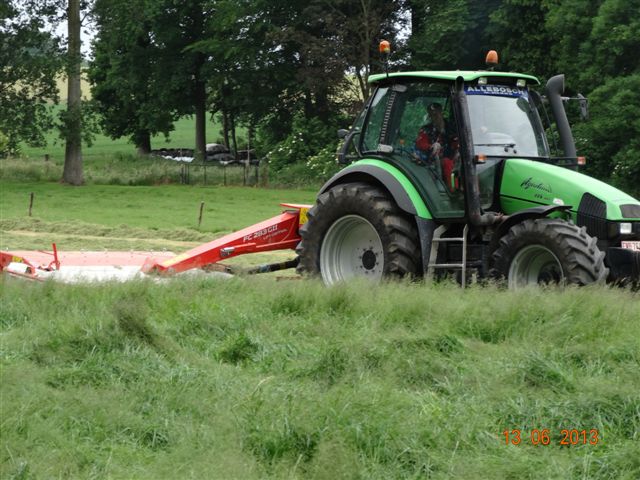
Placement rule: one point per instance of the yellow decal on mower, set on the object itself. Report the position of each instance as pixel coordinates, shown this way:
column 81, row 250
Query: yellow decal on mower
column 303, row 216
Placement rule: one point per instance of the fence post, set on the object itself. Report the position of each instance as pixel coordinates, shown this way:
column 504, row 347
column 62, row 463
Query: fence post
column 224, row 171
column 265, row 174
column 30, row 203
column 200, row 216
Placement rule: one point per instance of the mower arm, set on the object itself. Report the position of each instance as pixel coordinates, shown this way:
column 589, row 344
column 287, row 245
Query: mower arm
column 277, row 233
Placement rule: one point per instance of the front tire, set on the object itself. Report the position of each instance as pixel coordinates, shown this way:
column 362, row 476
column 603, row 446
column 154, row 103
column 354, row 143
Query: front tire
column 356, row 230
column 548, row 251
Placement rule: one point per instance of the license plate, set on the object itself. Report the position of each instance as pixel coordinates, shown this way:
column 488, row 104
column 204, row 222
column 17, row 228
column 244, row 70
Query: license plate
column 631, row 246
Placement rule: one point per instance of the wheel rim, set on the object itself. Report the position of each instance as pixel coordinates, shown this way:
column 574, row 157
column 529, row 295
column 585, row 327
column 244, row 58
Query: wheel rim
column 535, row 265
column 351, row 248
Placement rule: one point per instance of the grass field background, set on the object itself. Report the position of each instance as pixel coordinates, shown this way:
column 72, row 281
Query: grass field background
column 183, row 136
column 96, row 217
column 252, row 377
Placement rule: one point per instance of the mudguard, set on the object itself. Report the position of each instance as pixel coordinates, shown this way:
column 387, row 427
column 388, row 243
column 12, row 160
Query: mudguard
column 535, row 212
column 391, row 178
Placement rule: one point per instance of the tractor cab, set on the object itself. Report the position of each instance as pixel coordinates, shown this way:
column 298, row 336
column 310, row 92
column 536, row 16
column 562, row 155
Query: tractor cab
column 415, row 121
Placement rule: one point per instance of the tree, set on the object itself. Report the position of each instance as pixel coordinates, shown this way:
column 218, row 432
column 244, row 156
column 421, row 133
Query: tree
column 127, row 73
column 597, row 49
column 518, row 29
column 569, row 24
column 72, row 171
column 178, row 29
column 55, row 11
column 30, row 58
column 360, row 26
column 450, row 34
column 435, row 41
column 611, row 139
column 615, row 40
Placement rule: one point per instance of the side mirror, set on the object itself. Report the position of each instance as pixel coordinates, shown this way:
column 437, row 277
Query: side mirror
column 584, row 107
column 342, row 133
column 343, row 157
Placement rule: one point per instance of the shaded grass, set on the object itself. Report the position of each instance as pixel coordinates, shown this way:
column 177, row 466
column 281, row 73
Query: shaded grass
column 201, row 378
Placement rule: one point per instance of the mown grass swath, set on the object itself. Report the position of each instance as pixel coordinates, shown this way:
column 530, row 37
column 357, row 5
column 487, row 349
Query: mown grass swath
column 249, row 378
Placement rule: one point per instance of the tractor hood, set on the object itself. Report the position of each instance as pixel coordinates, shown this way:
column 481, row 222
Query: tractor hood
column 527, row 183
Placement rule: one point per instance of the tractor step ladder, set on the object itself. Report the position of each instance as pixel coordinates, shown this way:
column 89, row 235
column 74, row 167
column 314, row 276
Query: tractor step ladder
column 433, row 257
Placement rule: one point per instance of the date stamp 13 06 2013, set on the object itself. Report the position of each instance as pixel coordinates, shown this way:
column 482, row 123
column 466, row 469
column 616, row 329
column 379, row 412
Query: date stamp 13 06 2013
column 545, row 436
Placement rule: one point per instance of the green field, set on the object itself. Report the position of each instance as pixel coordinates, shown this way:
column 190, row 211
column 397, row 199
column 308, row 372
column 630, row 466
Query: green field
column 183, row 136
column 142, row 217
column 258, row 378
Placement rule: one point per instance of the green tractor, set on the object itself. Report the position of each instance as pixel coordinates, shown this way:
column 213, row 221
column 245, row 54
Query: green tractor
column 485, row 199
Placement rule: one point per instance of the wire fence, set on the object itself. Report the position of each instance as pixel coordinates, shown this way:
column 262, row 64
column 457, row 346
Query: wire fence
column 216, row 174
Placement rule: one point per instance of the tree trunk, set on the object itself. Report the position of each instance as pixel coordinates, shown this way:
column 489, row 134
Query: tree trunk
column 322, row 104
column 143, row 142
column 251, row 130
column 72, row 172
column 225, row 127
column 309, row 109
column 363, row 86
column 232, row 121
column 418, row 13
column 200, row 99
column 368, row 40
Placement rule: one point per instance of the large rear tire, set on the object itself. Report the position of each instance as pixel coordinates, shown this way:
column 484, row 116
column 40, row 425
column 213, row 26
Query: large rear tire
column 548, row 251
column 357, row 230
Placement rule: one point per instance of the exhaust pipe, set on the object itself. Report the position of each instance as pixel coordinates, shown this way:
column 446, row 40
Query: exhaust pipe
column 474, row 210
column 555, row 89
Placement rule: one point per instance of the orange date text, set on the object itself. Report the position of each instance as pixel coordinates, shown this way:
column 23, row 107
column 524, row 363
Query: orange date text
column 545, row 436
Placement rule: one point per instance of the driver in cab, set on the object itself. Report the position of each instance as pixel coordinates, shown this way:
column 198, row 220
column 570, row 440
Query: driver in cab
column 437, row 144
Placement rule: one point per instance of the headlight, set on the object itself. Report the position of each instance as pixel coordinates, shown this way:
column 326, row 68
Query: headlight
column 626, row 228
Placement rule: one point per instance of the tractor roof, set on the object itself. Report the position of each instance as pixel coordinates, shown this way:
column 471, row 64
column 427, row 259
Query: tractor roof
column 450, row 76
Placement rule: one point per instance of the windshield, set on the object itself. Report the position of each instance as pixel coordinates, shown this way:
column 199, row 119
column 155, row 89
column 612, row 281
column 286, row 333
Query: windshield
column 504, row 123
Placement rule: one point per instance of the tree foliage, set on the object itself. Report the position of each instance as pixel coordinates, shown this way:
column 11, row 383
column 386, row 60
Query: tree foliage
column 128, row 74
column 286, row 69
column 611, row 139
column 29, row 62
column 450, row 34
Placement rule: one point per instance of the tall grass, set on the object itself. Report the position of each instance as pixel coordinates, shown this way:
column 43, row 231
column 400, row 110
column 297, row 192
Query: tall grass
column 202, row 378
column 120, row 169
column 132, row 170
